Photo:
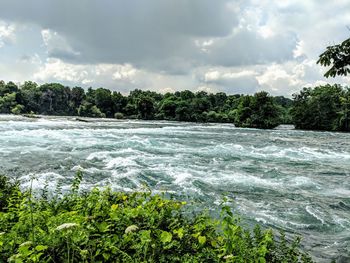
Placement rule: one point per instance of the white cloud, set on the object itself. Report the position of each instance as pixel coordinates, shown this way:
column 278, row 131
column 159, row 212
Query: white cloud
column 7, row 33
column 124, row 72
column 216, row 75
column 57, row 69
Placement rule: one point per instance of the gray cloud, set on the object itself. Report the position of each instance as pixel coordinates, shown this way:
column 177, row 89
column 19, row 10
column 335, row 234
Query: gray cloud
column 170, row 45
column 250, row 48
column 126, row 31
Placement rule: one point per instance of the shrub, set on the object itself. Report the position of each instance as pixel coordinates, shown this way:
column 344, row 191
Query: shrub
column 106, row 226
column 119, row 115
column 18, row 109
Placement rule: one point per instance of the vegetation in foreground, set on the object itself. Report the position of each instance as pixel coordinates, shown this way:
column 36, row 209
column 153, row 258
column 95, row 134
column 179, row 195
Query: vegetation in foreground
column 106, row 226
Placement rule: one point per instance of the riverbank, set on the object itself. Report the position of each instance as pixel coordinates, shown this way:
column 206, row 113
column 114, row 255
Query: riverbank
column 107, row 226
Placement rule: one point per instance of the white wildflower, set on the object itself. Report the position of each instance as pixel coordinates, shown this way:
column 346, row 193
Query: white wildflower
column 66, row 226
column 131, row 228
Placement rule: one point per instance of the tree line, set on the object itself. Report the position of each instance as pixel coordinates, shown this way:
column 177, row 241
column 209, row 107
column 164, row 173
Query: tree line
column 324, row 107
column 259, row 110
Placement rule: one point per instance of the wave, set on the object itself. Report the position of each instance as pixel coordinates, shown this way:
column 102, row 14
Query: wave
column 315, row 213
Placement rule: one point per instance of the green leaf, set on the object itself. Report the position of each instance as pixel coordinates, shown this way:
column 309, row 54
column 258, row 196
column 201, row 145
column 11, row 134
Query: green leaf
column 40, row 248
column 106, row 256
column 145, row 236
column 179, row 232
column 202, row 240
column 166, row 237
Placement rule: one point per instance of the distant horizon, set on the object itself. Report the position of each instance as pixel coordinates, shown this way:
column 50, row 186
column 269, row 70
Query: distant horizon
column 236, row 47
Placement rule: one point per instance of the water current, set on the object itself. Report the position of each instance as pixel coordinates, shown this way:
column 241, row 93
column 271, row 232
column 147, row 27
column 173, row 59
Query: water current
column 297, row 181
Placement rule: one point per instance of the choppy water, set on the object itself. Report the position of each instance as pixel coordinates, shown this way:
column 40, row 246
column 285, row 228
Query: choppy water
column 298, row 181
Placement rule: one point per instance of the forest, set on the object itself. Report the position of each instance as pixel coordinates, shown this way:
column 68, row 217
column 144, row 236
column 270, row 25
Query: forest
column 324, row 107
column 259, row 110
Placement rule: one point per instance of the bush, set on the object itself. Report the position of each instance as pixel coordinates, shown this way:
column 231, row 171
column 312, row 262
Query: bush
column 106, row 226
column 18, row 109
column 119, row 115
column 89, row 110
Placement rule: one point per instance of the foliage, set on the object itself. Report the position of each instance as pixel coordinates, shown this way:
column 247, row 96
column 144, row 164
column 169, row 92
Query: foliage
column 87, row 109
column 338, row 57
column 106, row 226
column 119, row 115
column 326, row 107
column 258, row 111
column 56, row 99
column 322, row 108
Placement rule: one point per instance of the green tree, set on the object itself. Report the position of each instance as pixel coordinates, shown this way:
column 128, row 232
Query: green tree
column 118, row 102
column 76, row 98
column 338, row 57
column 103, row 101
column 344, row 113
column 29, row 96
column 258, row 111
column 168, row 107
column 321, row 108
column 87, row 109
column 7, row 102
column 145, row 107
column 54, row 99
column 8, row 87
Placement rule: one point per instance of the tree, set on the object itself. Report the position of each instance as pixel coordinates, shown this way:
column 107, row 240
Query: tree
column 322, row 108
column 326, row 107
column 54, row 99
column 145, row 107
column 118, row 102
column 10, row 87
column 77, row 97
column 168, row 107
column 7, row 102
column 338, row 57
column 103, row 101
column 29, row 96
column 258, row 111
column 87, row 109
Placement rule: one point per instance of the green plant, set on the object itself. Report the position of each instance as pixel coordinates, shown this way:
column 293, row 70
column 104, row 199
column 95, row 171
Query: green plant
column 106, row 226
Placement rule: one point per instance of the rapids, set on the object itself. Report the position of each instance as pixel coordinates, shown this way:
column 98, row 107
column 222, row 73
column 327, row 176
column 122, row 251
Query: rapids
column 298, row 181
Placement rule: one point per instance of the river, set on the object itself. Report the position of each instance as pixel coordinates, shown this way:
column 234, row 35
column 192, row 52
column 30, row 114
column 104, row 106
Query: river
column 298, row 181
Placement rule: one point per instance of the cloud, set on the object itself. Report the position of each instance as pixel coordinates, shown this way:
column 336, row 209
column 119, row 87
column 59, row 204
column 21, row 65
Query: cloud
column 137, row 32
column 229, row 80
column 119, row 77
column 234, row 46
column 57, row 46
column 7, row 33
column 248, row 47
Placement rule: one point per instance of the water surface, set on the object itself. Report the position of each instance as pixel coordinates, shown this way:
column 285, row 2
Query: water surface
column 297, row 181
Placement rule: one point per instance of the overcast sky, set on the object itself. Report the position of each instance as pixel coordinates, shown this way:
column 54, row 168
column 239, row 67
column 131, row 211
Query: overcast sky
column 168, row 45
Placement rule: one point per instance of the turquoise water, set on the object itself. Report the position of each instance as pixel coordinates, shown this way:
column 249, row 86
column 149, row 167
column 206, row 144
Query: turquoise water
column 298, row 181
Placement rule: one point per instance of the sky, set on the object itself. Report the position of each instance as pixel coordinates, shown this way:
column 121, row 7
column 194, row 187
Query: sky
column 227, row 46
